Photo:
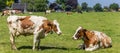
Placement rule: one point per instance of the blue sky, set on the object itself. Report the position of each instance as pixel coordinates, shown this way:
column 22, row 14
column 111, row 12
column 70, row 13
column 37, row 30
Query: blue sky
column 91, row 3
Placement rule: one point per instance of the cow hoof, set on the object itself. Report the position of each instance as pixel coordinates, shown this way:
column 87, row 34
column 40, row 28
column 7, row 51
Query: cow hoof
column 38, row 49
column 14, row 49
column 81, row 46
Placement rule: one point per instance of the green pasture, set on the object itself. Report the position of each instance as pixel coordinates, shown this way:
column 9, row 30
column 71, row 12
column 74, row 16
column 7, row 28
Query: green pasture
column 107, row 22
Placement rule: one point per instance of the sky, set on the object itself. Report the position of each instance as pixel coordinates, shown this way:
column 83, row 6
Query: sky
column 91, row 3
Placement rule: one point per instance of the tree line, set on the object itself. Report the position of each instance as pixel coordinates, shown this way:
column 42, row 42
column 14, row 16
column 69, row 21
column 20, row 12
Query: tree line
column 98, row 7
column 62, row 5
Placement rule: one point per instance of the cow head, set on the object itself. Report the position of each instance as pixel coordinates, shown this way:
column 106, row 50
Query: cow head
column 80, row 32
column 56, row 27
column 49, row 26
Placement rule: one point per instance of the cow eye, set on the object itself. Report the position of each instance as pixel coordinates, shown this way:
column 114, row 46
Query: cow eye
column 78, row 31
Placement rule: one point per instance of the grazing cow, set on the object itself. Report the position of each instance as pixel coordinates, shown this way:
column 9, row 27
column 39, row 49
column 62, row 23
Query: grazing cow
column 25, row 25
column 47, row 11
column 69, row 13
column 10, row 12
column 92, row 39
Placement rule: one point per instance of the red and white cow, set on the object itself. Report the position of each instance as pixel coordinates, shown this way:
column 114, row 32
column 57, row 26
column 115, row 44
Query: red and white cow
column 92, row 39
column 25, row 25
column 10, row 12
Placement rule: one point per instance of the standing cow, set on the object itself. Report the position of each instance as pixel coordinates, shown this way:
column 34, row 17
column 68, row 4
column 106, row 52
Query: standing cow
column 25, row 25
column 92, row 39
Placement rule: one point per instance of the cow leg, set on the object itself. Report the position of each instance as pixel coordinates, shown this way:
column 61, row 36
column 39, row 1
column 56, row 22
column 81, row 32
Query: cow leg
column 81, row 46
column 37, row 38
column 12, row 40
column 38, row 44
column 92, row 47
column 34, row 42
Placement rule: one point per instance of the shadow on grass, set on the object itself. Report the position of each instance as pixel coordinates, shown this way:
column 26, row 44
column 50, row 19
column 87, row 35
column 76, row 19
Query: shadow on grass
column 43, row 47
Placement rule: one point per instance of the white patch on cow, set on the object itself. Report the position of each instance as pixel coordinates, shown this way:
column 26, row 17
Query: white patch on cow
column 92, row 47
column 76, row 32
column 13, row 11
column 38, row 20
column 48, row 11
column 57, row 25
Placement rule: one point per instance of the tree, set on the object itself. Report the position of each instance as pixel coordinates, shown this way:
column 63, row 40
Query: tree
column 90, row 9
column 2, row 4
column 62, row 3
column 9, row 3
column 72, row 3
column 106, row 9
column 114, row 7
column 52, row 5
column 36, row 5
column 16, row 1
column 65, row 3
column 98, row 7
column 84, row 6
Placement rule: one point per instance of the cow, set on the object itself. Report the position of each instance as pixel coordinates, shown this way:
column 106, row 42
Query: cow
column 31, row 25
column 69, row 13
column 92, row 39
column 47, row 11
column 10, row 12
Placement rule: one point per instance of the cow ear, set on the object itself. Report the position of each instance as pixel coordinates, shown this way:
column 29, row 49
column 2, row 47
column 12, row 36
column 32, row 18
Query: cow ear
column 84, row 30
column 55, row 21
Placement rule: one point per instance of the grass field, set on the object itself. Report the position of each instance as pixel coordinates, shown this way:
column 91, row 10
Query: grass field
column 107, row 22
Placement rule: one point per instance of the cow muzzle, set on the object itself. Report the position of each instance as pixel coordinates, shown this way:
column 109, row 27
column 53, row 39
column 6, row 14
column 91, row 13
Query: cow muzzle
column 74, row 38
column 59, row 33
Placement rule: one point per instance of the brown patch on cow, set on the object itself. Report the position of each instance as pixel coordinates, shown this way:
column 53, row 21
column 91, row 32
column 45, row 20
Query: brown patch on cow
column 89, row 34
column 69, row 13
column 5, row 12
column 10, row 22
column 55, row 28
column 92, row 38
column 26, row 23
column 18, row 11
column 47, row 26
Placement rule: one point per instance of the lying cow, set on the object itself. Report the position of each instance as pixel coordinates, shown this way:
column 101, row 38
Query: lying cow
column 25, row 25
column 10, row 12
column 92, row 39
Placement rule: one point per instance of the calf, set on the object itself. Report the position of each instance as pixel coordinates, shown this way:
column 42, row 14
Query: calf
column 92, row 39
column 25, row 25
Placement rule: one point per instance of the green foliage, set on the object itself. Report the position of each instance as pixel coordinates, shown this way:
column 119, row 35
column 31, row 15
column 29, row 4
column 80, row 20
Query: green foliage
column 79, row 8
column 9, row 3
column 114, row 6
column 84, row 6
column 62, row 3
column 98, row 7
column 2, row 4
column 36, row 5
column 107, row 22
column 106, row 9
